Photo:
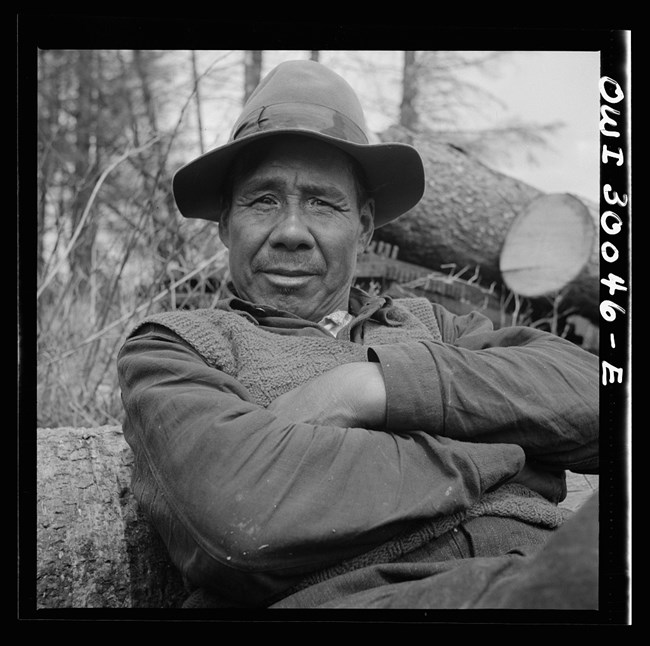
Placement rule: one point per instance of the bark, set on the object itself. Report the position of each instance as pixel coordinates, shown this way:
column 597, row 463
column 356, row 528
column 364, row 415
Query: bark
column 464, row 217
column 94, row 547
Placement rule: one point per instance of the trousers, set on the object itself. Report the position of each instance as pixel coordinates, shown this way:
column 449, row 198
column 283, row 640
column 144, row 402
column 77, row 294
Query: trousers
column 486, row 563
column 537, row 571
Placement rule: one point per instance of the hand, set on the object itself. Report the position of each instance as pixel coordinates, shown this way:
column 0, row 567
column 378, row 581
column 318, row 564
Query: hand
column 350, row 395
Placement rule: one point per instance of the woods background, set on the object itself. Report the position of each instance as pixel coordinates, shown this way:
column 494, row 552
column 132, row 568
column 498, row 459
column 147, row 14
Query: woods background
column 114, row 125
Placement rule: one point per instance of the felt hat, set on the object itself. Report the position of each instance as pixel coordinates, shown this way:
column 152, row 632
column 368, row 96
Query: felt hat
column 306, row 98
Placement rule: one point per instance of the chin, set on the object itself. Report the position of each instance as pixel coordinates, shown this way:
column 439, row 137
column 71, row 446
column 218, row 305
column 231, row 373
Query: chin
column 287, row 291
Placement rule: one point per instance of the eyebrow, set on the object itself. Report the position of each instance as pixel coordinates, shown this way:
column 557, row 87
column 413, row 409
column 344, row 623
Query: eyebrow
column 277, row 183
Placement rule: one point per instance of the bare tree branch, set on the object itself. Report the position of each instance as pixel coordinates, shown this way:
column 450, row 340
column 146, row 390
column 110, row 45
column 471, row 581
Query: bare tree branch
column 84, row 216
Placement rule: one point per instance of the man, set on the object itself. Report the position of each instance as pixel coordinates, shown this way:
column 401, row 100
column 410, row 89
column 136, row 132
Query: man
column 304, row 444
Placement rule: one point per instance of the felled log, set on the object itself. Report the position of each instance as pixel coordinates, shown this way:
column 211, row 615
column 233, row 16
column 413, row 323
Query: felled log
column 94, row 547
column 465, row 216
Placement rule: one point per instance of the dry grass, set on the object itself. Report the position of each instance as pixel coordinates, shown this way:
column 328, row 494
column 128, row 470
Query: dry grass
column 76, row 381
column 79, row 337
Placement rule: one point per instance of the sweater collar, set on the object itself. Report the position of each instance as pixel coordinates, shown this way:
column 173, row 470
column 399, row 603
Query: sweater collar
column 361, row 306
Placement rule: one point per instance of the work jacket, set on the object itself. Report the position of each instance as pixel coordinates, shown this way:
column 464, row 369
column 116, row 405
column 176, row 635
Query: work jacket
column 249, row 504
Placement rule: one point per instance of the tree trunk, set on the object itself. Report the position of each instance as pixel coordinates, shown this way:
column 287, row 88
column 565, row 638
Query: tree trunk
column 408, row 116
column 94, row 548
column 81, row 255
column 49, row 108
column 168, row 237
column 252, row 71
column 464, row 217
column 197, row 101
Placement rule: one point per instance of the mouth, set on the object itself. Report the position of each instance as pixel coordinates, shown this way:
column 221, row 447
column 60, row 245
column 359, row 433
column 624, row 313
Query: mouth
column 289, row 271
column 288, row 278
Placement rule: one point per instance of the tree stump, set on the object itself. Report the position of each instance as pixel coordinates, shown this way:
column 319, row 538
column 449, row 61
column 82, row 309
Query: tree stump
column 94, row 548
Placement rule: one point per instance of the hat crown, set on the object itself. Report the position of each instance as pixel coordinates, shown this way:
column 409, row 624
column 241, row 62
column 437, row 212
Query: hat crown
column 299, row 90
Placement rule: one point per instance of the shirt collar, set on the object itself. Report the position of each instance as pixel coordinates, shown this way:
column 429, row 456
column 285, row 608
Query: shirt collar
column 360, row 304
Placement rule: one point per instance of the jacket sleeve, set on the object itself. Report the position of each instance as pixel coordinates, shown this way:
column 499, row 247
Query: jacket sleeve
column 248, row 504
column 514, row 385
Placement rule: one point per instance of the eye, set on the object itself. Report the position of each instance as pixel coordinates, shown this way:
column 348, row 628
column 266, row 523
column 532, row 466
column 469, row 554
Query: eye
column 317, row 202
column 264, row 200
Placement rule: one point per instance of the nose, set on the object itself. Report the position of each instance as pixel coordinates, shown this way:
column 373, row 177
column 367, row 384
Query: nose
column 291, row 231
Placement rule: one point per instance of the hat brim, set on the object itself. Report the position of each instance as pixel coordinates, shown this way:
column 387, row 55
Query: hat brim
column 394, row 174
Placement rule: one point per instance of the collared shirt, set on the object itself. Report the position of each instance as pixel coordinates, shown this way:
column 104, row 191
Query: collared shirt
column 345, row 325
column 336, row 321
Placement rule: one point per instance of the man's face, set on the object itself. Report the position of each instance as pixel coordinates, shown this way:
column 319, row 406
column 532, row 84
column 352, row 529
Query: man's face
column 295, row 227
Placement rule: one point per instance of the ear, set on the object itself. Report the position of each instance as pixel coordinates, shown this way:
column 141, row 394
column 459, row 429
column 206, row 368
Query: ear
column 367, row 216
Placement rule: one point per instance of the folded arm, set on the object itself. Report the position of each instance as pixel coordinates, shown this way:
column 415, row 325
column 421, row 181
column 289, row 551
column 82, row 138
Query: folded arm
column 249, row 501
column 515, row 385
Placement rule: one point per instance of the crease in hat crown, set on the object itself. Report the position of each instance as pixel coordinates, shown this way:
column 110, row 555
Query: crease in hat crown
column 306, row 98
column 295, row 94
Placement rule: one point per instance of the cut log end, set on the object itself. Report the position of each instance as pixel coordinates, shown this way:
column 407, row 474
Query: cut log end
column 547, row 246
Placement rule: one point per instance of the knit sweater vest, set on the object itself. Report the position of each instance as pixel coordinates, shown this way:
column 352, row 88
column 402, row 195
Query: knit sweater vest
column 269, row 364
